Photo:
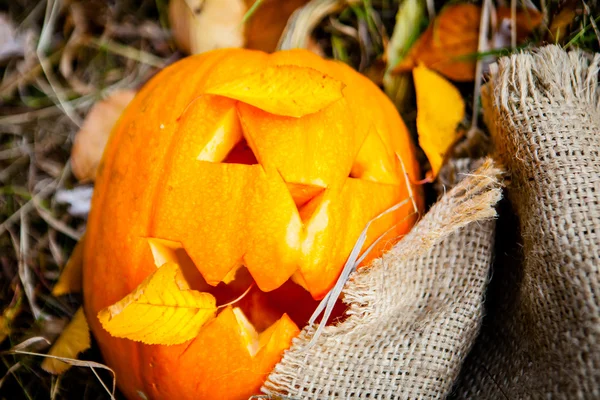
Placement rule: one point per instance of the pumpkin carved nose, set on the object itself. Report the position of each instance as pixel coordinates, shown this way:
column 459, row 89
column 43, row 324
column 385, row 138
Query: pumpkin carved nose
column 303, row 193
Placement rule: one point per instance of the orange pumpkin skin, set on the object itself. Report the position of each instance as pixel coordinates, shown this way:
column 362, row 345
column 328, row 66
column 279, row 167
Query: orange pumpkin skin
column 295, row 214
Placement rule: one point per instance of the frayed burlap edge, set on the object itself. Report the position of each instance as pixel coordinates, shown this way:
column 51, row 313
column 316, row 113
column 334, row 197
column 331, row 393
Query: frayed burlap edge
column 370, row 298
column 549, row 73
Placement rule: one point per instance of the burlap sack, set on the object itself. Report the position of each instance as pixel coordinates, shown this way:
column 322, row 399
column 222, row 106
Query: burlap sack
column 541, row 335
column 414, row 314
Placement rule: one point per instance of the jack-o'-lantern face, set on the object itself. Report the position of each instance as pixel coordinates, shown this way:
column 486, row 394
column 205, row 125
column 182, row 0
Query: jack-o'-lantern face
column 238, row 163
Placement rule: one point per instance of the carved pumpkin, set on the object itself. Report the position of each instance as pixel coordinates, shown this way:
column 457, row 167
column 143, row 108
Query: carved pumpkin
column 241, row 167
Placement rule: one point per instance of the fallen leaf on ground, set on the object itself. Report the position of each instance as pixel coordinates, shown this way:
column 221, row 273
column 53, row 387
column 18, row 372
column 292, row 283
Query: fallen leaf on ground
column 452, row 35
column 70, row 280
column 527, row 20
column 440, row 108
column 450, row 44
column 560, row 24
column 204, row 25
column 161, row 310
column 73, row 340
column 92, row 137
column 265, row 25
column 7, row 317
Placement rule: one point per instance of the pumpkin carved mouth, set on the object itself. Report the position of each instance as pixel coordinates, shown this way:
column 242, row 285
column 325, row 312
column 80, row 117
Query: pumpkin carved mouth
column 255, row 311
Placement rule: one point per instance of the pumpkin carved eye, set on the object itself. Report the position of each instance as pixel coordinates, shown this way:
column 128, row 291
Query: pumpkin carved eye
column 262, row 178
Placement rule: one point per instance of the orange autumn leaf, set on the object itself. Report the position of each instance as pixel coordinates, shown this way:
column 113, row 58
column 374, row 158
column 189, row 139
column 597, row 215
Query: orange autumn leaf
column 70, row 280
column 161, row 310
column 72, row 341
column 560, row 23
column 452, row 35
column 440, row 108
column 450, row 43
column 527, row 20
column 264, row 27
column 285, row 90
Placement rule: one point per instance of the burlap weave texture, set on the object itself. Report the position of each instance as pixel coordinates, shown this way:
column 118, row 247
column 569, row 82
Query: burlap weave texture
column 541, row 334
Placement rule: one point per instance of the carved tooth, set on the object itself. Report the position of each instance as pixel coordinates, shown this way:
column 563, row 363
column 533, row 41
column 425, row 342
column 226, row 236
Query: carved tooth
column 247, row 332
column 164, row 251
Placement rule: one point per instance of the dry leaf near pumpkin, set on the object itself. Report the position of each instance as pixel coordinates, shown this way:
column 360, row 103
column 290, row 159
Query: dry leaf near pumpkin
column 7, row 317
column 91, row 139
column 527, row 20
column 203, row 25
column 70, row 280
column 450, row 43
column 560, row 23
column 440, row 108
column 266, row 24
column 229, row 169
column 73, row 340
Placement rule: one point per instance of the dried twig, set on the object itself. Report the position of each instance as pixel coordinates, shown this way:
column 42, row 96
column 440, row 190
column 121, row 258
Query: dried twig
column 27, row 207
column 49, row 21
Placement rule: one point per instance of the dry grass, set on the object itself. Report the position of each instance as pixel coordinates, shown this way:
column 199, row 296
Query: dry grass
column 69, row 54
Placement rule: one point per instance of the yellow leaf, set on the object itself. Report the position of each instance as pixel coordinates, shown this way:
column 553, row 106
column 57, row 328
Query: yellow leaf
column 8, row 316
column 70, row 280
column 72, row 341
column 161, row 310
column 4, row 328
column 440, row 108
column 286, row 90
